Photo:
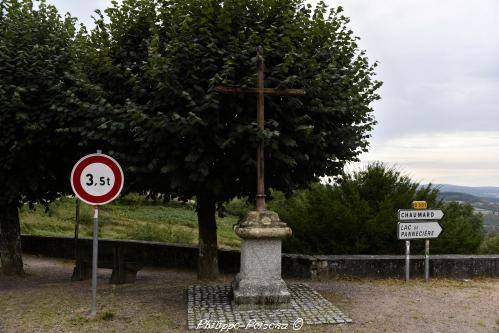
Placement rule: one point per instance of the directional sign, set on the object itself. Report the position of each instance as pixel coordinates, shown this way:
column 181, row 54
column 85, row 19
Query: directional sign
column 97, row 179
column 420, row 214
column 418, row 230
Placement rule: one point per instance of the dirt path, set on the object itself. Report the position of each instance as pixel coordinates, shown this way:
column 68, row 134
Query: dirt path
column 394, row 306
column 46, row 301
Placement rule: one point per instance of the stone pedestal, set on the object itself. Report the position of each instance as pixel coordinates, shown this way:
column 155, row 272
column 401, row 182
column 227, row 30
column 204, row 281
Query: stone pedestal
column 259, row 284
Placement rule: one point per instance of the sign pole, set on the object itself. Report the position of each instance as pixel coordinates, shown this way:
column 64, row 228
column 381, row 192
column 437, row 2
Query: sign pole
column 95, row 254
column 407, row 259
column 427, row 260
column 94, row 261
column 77, row 227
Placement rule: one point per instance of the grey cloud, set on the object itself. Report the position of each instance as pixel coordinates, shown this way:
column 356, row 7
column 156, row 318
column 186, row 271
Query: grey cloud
column 438, row 61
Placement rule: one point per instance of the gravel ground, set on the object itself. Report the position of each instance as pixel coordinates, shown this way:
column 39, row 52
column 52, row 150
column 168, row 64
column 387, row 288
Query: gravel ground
column 46, row 301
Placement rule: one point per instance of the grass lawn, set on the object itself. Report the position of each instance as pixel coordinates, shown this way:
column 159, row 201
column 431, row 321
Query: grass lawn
column 130, row 217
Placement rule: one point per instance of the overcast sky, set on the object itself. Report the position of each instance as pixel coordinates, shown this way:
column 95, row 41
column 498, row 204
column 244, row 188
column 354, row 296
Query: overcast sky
column 438, row 117
column 439, row 60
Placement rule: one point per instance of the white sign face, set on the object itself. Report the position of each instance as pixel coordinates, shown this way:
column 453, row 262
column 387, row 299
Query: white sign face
column 97, row 179
column 418, row 230
column 420, row 214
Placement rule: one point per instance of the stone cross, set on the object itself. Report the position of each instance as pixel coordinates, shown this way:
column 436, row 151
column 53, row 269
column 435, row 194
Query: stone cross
column 259, row 283
column 260, row 91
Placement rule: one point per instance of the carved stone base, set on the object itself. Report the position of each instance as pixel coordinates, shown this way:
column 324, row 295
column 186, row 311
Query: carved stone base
column 259, row 283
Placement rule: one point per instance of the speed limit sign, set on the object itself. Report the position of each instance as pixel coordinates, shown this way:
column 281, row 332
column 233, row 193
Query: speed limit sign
column 97, row 179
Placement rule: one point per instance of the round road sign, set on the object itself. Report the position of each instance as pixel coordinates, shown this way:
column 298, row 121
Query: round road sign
column 97, row 179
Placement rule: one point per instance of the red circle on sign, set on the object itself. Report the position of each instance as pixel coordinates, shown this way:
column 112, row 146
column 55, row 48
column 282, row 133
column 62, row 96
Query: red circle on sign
column 97, row 199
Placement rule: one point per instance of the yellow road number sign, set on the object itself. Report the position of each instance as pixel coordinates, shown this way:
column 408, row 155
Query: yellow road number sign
column 419, row 205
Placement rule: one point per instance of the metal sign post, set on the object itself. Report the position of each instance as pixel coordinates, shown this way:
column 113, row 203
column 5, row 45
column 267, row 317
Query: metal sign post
column 77, row 227
column 95, row 253
column 94, row 261
column 427, row 260
column 407, row 259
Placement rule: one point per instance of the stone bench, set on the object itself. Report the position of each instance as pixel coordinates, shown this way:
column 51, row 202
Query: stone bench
column 124, row 260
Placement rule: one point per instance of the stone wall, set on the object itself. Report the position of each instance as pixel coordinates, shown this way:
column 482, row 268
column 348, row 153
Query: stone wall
column 154, row 254
column 293, row 265
column 393, row 266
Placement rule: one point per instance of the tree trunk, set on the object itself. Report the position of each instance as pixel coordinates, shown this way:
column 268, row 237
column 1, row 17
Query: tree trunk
column 10, row 240
column 208, row 248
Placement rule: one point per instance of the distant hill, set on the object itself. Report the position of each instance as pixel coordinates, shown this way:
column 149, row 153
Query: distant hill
column 489, row 192
column 485, row 200
column 458, row 196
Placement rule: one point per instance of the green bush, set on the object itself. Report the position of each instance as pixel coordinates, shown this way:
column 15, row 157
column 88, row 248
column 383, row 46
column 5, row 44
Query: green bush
column 463, row 230
column 238, row 207
column 490, row 245
column 358, row 215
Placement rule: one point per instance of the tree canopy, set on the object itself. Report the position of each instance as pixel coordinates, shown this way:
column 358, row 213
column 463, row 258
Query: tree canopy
column 159, row 62
column 35, row 99
column 44, row 111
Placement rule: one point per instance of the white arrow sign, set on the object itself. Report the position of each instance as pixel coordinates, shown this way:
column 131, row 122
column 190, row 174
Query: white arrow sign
column 420, row 214
column 418, row 230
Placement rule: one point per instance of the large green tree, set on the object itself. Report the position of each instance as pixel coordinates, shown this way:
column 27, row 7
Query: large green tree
column 159, row 62
column 42, row 113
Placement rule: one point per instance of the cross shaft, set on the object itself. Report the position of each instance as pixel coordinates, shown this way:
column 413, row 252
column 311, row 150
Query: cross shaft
column 260, row 91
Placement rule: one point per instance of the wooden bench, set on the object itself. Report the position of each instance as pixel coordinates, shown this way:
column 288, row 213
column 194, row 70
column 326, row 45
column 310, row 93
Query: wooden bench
column 124, row 260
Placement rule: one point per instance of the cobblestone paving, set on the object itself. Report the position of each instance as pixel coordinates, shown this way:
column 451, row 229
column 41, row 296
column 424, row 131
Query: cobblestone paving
column 209, row 307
